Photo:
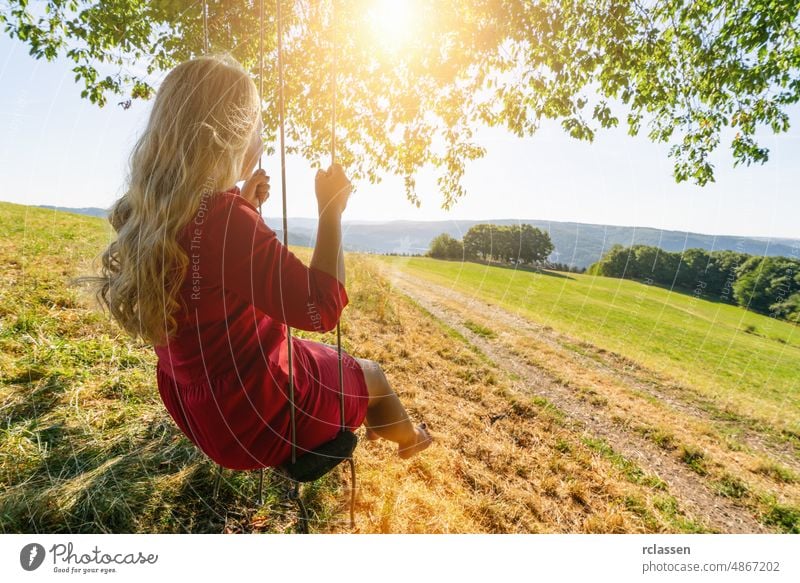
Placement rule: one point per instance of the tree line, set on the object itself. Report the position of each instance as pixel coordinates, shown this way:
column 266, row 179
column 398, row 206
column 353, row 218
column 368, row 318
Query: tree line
column 518, row 244
column 769, row 285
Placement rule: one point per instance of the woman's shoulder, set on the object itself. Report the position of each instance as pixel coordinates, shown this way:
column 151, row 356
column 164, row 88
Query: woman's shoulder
column 233, row 210
column 218, row 207
column 221, row 199
column 227, row 201
column 211, row 210
column 225, row 216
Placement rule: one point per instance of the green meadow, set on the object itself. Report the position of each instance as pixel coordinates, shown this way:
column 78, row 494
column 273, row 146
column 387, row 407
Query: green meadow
column 744, row 361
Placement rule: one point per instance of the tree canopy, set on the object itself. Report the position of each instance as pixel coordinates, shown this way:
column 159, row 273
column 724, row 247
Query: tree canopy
column 445, row 246
column 507, row 243
column 413, row 86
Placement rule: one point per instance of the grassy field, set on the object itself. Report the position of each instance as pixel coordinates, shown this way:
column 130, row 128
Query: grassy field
column 87, row 446
column 745, row 361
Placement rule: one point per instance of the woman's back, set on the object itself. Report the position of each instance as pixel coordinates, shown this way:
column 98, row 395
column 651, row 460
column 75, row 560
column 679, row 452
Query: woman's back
column 223, row 377
column 220, row 331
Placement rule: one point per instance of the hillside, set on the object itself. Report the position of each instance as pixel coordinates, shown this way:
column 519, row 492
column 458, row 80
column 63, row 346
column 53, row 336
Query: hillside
column 723, row 351
column 704, row 395
column 576, row 244
column 86, row 445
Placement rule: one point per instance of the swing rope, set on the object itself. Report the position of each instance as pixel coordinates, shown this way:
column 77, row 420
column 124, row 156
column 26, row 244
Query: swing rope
column 333, row 161
column 205, row 27
column 260, row 69
column 341, row 447
column 281, row 121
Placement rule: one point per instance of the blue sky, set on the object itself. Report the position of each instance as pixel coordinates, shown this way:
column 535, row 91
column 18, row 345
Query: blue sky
column 56, row 148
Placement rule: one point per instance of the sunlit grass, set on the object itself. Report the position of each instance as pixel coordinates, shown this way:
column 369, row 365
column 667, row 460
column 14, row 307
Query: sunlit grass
column 87, row 446
column 700, row 344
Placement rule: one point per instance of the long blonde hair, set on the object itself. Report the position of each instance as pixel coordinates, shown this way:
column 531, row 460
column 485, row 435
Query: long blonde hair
column 201, row 124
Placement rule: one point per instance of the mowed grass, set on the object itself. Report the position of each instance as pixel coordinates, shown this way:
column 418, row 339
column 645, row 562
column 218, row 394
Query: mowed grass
column 745, row 362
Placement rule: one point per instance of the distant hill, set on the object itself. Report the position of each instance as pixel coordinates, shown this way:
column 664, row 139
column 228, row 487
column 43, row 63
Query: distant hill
column 577, row 244
column 92, row 211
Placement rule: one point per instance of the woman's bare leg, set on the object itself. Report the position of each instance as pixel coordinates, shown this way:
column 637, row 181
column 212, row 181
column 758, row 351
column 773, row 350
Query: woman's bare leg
column 386, row 416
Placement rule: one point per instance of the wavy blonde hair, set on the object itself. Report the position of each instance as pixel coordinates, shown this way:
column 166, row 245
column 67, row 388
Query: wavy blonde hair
column 202, row 121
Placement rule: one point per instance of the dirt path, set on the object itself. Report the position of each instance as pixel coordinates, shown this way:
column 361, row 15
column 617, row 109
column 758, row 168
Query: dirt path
column 692, row 492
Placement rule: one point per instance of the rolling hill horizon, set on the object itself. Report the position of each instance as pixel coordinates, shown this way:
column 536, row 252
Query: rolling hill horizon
column 576, row 244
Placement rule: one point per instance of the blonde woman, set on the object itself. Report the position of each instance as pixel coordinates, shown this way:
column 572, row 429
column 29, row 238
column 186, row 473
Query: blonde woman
column 196, row 272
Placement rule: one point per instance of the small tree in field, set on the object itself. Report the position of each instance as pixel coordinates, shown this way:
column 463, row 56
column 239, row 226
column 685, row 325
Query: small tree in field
column 446, row 247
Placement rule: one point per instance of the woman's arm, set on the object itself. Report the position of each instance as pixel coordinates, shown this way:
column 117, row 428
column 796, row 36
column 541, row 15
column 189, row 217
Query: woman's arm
column 333, row 189
column 328, row 252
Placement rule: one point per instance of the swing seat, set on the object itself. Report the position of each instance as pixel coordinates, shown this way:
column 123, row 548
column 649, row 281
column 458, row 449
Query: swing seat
column 315, row 464
column 319, row 461
column 310, row 467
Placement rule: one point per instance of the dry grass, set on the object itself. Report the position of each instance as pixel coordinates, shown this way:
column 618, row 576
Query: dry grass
column 743, row 459
column 503, row 461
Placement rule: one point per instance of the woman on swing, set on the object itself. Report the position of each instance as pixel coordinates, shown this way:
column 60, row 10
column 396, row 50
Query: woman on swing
column 196, row 272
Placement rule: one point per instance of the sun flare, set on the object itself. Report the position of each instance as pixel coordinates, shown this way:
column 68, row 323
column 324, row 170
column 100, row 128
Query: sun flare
column 392, row 23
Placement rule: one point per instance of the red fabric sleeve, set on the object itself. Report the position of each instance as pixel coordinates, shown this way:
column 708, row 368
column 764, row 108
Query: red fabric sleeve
column 260, row 269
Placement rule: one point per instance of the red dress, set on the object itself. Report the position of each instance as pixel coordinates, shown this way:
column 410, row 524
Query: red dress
column 224, row 376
